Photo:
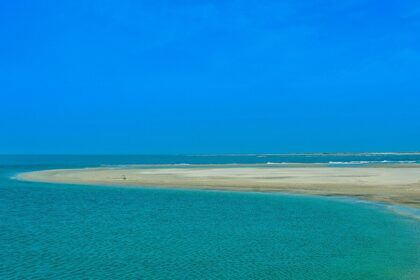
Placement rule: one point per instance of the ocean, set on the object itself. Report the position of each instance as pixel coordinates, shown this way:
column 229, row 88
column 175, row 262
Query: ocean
column 56, row 231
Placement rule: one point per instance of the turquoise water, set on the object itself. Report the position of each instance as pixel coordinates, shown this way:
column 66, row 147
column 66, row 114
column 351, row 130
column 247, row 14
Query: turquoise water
column 340, row 159
column 52, row 231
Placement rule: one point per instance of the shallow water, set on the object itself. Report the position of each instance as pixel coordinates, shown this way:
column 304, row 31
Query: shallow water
column 84, row 232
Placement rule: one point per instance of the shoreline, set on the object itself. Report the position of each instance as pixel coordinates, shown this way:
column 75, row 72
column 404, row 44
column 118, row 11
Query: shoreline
column 395, row 185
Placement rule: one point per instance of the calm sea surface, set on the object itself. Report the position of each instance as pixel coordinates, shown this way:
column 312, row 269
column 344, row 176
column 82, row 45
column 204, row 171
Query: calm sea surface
column 50, row 231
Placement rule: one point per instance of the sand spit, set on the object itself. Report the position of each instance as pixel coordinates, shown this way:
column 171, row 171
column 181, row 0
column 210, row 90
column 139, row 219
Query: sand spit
column 396, row 185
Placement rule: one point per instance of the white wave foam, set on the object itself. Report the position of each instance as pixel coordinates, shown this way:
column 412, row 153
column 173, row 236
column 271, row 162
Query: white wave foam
column 350, row 162
column 373, row 162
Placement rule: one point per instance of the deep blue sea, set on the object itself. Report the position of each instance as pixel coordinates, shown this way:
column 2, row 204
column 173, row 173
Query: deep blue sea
column 50, row 231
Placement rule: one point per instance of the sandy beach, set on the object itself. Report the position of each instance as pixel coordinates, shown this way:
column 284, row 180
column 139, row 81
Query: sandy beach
column 396, row 185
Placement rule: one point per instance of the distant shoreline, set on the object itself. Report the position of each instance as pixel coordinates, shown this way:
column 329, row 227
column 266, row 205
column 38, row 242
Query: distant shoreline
column 395, row 184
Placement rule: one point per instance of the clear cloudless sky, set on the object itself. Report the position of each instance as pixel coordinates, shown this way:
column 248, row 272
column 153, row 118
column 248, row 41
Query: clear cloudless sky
column 250, row 76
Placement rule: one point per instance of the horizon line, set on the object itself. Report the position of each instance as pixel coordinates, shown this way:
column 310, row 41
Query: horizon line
column 212, row 154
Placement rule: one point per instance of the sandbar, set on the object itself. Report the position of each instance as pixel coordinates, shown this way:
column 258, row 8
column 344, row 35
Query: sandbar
column 394, row 184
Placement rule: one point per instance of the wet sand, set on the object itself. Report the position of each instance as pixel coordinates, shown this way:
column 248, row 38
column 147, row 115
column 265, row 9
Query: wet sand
column 393, row 184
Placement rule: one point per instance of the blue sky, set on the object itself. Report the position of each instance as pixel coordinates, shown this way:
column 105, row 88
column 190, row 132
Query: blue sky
column 209, row 76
